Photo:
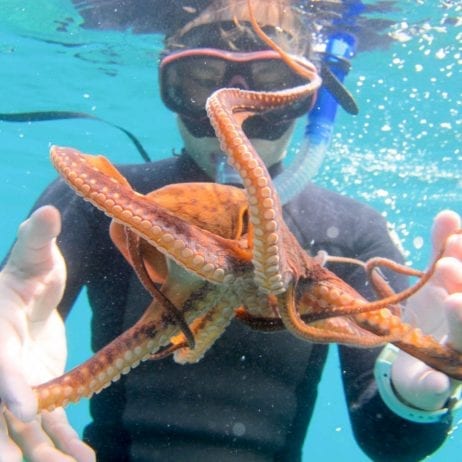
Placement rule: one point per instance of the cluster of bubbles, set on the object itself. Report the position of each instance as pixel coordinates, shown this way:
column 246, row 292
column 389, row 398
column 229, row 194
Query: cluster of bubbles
column 402, row 153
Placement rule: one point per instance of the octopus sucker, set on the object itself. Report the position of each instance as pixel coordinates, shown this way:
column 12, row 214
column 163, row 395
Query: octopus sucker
column 251, row 264
column 104, row 367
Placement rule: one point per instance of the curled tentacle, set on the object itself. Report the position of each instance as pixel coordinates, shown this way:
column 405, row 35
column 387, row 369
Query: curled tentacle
column 124, row 353
column 247, row 259
column 133, row 245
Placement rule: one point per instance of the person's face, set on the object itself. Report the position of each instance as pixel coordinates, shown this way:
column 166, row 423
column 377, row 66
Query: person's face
column 207, row 153
column 189, row 77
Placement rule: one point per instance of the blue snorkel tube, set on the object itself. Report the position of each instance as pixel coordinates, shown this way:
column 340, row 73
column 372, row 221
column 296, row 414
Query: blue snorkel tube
column 340, row 48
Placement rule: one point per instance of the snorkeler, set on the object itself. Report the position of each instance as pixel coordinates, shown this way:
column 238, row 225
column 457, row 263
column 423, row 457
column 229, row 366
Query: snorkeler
column 252, row 395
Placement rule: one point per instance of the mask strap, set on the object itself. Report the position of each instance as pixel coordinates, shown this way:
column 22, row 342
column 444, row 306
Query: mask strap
column 43, row 116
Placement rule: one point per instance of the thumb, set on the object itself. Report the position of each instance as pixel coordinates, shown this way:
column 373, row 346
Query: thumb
column 418, row 384
column 31, row 253
column 35, row 273
column 445, row 224
column 22, row 281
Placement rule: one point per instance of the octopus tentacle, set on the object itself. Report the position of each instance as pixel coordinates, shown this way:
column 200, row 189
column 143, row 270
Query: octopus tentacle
column 380, row 284
column 272, row 272
column 329, row 300
column 373, row 329
column 376, row 262
column 339, row 330
column 307, row 70
column 411, row 340
column 269, row 259
column 207, row 329
column 375, row 276
column 331, row 297
column 189, row 246
column 143, row 341
column 136, row 344
column 249, row 265
column 133, row 245
column 227, row 110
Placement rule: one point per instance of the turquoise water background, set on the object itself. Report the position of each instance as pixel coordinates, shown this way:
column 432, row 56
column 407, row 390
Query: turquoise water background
column 401, row 154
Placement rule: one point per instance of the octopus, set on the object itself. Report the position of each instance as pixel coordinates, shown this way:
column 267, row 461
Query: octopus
column 209, row 254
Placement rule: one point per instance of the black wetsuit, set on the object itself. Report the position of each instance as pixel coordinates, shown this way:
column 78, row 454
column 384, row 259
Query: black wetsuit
column 252, row 396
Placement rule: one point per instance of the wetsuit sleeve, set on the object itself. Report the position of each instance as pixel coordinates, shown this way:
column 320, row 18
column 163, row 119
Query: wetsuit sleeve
column 383, row 435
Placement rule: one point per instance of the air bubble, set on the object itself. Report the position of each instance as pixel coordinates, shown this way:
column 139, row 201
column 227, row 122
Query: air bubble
column 418, row 242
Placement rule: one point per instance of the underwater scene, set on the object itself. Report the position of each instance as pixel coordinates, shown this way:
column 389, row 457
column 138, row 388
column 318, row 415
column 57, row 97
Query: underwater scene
column 401, row 154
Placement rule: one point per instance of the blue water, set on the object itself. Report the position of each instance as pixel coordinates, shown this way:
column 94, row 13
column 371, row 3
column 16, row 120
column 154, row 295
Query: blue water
column 401, row 154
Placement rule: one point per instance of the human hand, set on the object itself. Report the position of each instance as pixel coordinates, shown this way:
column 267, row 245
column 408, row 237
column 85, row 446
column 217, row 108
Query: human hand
column 437, row 310
column 33, row 346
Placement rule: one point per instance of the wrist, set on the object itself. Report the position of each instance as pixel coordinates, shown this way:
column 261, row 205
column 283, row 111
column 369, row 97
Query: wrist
column 395, row 403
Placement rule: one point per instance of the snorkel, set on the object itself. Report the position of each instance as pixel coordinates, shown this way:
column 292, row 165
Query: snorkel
column 340, row 48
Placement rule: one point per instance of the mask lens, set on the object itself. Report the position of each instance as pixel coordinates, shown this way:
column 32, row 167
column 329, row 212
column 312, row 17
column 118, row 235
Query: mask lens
column 273, row 75
column 186, row 83
column 188, row 78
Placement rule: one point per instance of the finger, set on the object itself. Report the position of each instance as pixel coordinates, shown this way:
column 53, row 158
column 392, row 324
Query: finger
column 9, row 452
column 65, row 437
column 453, row 306
column 31, row 253
column 34, row 443
column 418, row 384
column 448, row 274
column 454, row 246
column 445, row 223
column 35, row 273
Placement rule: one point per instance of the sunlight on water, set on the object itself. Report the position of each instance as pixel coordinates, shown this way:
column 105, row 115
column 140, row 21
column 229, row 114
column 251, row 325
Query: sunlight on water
column 402, row 153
